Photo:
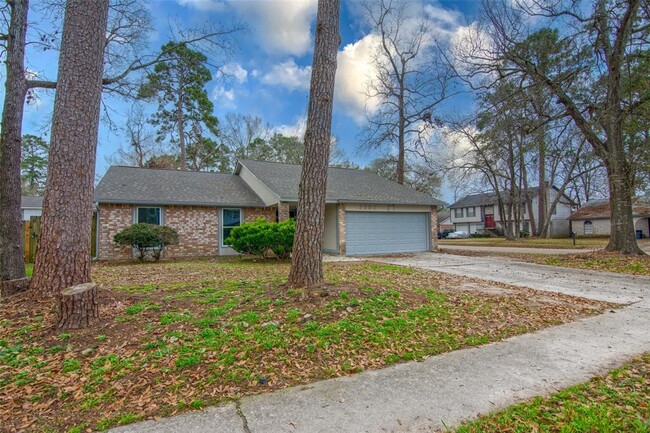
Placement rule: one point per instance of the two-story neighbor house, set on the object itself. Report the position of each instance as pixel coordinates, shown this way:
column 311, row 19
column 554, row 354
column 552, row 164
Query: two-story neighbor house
column 480, row 211
column 364, row 213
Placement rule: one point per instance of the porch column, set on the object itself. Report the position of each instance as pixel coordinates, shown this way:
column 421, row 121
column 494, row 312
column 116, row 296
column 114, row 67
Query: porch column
column 283, row 212
column 341, row 228
column 434, row 228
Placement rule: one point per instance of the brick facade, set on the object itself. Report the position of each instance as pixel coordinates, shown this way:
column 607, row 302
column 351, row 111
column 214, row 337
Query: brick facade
column 112, row 219
column 198, row 228
column 434, row 229
column 198, row 231
column 268, row 213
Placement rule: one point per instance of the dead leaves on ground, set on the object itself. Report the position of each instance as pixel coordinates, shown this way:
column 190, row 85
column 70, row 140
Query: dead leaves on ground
column 178, row 336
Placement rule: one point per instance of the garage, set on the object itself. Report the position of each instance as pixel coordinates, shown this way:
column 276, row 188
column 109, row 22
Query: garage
column 386, row 232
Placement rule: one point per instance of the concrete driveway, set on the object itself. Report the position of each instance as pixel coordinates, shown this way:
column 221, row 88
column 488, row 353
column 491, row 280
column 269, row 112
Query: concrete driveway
column 601, row 286
column 444, row 390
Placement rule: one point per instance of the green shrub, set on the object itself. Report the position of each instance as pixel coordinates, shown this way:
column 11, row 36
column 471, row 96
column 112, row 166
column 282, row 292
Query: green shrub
column 260, row 237
column 149, row 239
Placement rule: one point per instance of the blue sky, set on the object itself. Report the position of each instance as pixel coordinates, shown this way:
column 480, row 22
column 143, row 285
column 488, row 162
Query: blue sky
column 269, row 72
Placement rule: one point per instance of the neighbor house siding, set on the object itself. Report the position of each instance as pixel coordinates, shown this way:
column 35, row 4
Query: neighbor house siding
column 601, row 227
column 112, row 219
column 198, row 231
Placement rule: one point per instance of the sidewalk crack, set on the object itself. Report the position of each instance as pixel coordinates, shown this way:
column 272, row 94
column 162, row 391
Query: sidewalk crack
column 240, row 412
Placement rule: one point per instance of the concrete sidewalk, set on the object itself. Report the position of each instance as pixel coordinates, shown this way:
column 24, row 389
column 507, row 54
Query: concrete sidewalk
column 444, row 390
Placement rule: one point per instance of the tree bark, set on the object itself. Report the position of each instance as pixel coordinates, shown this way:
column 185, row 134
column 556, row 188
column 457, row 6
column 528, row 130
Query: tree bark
column 619, row 173
column 63, row 256
column 12, row 261
column 307, row 259
column 78, row 306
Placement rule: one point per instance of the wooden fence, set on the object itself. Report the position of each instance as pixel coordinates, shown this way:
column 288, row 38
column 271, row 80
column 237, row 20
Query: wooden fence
column 32, row 233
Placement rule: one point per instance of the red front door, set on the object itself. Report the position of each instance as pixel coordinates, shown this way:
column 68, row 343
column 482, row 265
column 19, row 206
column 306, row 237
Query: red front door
column 489, row 221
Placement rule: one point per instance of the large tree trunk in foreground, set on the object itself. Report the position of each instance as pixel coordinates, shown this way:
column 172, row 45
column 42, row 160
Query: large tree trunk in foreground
column 79, row 307
column 307, row 258
column 622, row 236
column 12, row 260
column 63, row 256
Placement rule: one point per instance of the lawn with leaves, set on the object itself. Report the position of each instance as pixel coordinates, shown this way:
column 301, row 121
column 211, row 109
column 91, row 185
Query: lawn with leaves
column 530, row 242
column 617, row 402
column 178, row 336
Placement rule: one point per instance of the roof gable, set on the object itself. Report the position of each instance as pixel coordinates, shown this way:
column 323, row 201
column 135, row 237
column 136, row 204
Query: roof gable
column 343, row 185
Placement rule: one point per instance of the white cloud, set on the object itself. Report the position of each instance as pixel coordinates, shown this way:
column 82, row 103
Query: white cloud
column 233, row 71
column 224, row 98
column 353, row 72
column 355, row 60
column 204, row 5
column 297, row 129
column 288, row 74
column 282, row 27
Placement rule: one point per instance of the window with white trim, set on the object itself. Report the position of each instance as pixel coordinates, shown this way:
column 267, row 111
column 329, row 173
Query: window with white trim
column 471, row 212
column 458, row 212
column 230, row 218
column 149, row 215
column 589, row 228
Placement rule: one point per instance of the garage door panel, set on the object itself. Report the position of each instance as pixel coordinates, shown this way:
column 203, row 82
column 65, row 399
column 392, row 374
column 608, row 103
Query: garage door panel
column 386, row 232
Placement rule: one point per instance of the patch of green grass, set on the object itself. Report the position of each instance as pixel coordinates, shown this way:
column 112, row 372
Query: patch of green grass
column 29, row 269
column 123, row 419
column 171, row 317
column 617, row 402
column 70, row 365
column 396, row 269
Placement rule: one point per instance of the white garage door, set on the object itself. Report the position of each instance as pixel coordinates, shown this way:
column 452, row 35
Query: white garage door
column 386, row 232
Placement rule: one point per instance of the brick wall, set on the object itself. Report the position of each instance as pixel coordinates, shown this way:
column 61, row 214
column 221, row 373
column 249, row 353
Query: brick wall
column 112, row 219
column 198, row 231
column 268, row 213
column 434, row 229
column 342, row 244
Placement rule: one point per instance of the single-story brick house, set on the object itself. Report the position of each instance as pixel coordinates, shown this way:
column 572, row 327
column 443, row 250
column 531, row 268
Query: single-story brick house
column 593, row 219
column 364, row 213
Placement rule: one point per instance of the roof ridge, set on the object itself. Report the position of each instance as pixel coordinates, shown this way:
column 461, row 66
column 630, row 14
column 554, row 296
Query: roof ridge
column 175, row 170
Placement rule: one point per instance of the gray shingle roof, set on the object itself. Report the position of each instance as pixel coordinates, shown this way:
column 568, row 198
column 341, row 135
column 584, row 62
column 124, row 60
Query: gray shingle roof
column 31, row 202
column 135, row 185
column 343, row 185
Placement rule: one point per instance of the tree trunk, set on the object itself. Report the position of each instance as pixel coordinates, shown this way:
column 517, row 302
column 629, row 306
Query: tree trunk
column 12, row 259
column 79, row 307
column 180, row 124
column 401, row 139
column 622, row 236
column 307, row 258
column 63, row 256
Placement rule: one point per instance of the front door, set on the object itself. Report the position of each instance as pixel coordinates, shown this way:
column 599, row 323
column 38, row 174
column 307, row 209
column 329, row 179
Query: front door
column 489, row 221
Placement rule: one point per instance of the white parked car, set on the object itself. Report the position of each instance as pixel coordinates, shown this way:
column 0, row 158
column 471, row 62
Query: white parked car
column 458, row 235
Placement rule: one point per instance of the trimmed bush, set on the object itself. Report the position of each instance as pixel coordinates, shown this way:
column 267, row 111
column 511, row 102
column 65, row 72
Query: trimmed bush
column 149, row 239
column 260, row 237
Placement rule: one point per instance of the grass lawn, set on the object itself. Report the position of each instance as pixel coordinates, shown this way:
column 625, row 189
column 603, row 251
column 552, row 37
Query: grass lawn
column 29, row 268
column 562, row 243
column 177, row 336
column 617, row 402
